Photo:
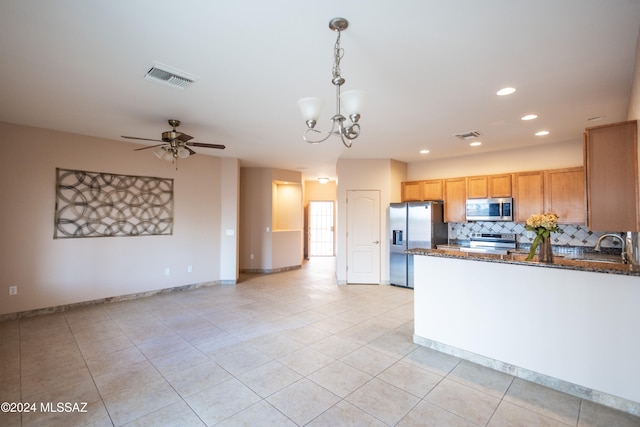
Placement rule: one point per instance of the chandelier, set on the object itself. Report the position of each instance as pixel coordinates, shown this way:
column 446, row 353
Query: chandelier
column 350, row 101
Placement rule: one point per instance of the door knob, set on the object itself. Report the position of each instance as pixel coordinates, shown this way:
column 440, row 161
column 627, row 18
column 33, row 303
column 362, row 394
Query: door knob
column 376, row 242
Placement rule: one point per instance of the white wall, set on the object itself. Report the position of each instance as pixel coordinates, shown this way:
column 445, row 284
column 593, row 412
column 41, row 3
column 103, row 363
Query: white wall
column 255, row 218
column 374, row 174
column 576, row 326
column 229, row 218
column 260, row 249
column 633, row 112
column 51, row 272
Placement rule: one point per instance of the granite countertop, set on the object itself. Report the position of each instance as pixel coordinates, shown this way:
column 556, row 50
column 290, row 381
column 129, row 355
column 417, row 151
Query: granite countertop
column 602, row 265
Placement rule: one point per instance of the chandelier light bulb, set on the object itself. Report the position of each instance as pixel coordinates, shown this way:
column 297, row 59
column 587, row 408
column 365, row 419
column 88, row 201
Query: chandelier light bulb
column 310, row 108
column 183, row 153
column 352, row 101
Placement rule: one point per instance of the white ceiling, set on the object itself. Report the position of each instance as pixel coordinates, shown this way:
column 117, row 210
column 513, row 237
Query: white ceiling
column 430, row 68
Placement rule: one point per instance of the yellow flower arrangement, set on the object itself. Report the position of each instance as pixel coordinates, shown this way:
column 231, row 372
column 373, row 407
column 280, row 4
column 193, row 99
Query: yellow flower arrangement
column 543, row 225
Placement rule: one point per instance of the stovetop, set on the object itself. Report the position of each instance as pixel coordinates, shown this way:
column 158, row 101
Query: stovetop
column 495, row 243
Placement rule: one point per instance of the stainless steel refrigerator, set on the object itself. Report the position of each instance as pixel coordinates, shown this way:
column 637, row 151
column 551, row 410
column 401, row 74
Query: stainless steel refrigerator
column 413, row 225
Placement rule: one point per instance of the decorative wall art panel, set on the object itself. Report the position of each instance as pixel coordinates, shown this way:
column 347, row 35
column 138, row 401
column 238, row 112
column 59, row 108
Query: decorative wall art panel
column 94, row 204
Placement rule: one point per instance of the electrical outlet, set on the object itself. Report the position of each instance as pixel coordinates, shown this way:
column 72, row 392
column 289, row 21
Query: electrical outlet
column 189, row 269
column 13, row 290
column 251, row 256
column 167, row 271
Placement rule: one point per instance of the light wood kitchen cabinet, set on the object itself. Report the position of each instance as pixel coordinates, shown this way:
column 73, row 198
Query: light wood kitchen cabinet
column 411, row 191
column 481, row 187
column 561, row 191
column 415, row 191
column 455, row 197
column 528, row 195
column 564, row 194
column 500, row 185
column 432, row 189
column 611, row 164
column 477, row 187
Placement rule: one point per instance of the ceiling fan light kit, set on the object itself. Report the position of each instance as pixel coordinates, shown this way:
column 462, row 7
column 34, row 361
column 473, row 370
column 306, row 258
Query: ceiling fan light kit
column 351, row 101
column 174, row 145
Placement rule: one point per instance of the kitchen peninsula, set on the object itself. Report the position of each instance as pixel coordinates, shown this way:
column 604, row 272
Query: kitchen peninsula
column 572, row 325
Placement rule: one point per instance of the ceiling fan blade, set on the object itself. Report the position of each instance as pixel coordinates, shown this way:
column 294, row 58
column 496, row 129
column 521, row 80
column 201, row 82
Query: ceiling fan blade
column 202, row 144
column 141, row 139
column 184, row 137
column 191, row 152
column 150, row 146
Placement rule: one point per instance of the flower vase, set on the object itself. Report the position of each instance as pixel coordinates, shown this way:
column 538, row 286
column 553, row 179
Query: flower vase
column 545, row 253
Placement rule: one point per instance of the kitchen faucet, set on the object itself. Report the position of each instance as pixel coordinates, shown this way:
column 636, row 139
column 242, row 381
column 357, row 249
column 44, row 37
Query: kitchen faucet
column 623, row 241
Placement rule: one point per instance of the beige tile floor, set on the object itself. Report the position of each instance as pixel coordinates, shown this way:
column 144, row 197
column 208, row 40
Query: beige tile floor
column 284, row 349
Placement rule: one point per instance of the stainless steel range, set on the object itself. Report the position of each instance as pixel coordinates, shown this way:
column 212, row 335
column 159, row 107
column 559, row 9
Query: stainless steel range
column 491, row 243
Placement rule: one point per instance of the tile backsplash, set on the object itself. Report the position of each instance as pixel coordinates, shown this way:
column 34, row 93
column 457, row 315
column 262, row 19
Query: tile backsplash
column 569, row 235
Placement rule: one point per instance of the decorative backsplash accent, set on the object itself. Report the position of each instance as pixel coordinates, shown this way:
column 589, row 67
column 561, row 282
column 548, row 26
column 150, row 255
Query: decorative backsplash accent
column 569, row 235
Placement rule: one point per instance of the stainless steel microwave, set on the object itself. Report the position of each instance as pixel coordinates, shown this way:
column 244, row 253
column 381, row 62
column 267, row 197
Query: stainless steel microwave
column 499, row 209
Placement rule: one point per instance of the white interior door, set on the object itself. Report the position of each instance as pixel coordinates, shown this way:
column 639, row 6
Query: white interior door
column 363, row 236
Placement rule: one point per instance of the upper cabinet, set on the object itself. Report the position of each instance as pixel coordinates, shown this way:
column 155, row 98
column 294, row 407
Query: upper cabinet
column 411, row 191
column 611, row 165
column 481, row 187
column 561, row 191
column 528, row 194
column 477, row 187
column 433, row 189
column 416, row 191
column 564, row 195
column 455, row 197
column 500, row 185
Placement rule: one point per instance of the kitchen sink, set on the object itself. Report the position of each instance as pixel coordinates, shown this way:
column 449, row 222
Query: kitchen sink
column 612, row 259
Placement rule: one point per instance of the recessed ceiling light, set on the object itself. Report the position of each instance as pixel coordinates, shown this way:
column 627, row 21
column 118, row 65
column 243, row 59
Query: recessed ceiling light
column 506, row 91
column 424, row 151
column 530, row 117
column 475, row 143
column 542, row 133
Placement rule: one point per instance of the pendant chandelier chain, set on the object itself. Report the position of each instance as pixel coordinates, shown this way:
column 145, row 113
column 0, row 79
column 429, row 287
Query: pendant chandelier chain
column 338, row 53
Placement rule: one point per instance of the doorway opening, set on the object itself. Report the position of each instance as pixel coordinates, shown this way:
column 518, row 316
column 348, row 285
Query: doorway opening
column 321, row 228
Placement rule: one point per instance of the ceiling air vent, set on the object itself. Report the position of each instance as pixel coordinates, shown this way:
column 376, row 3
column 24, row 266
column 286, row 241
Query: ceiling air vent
column 468, row 135
column 169, row 76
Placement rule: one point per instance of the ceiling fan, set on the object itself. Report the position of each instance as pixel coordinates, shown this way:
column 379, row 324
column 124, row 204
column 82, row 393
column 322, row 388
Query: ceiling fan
column 174, row 144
